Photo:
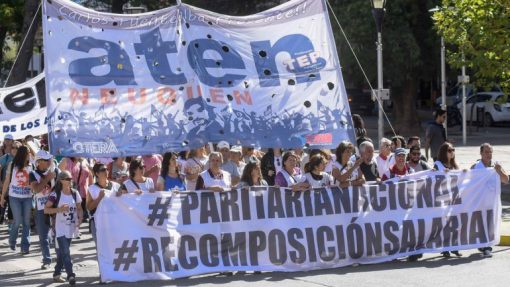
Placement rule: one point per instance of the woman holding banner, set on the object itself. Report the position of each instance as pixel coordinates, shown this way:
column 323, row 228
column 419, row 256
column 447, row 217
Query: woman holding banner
column 315, row 174
column 446, row 162
column 170, row 178
column 137, row 183
column 288, row 176
column 97, row 192
column 252, row 175
column 345, row 172
column 196, row 163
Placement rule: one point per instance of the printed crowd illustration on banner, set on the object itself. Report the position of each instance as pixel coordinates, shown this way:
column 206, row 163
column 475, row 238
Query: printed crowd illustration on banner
column 23, row 109
column 180, row 77
column 171, row 235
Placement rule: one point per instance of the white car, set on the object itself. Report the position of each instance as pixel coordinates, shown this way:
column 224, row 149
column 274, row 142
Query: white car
column 496, row 105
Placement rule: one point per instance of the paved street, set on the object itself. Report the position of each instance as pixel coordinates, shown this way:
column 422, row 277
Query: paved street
column 433, row 270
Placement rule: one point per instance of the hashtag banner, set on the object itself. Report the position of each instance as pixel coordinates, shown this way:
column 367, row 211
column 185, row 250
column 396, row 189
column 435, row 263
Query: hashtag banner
column 167, row 235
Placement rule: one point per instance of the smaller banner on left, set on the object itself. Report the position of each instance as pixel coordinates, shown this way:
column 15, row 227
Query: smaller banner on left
column 23, row 109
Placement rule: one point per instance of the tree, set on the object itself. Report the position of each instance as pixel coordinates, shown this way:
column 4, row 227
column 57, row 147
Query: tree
column 409, row 53
column 19, row 71
column 479, row 29
column 11, row 13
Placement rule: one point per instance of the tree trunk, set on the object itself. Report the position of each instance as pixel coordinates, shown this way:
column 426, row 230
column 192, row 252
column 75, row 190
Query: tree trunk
column 19, row 71
column 404, row 109
column 3, row 34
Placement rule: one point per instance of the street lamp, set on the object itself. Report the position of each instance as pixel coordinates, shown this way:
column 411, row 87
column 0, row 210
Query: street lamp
column 378, row 13
column 444, row 105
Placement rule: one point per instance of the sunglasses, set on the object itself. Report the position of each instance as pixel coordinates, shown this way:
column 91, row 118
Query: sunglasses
column 67, row 179
column 451, row 150
column 415, row 153
column 103, row 169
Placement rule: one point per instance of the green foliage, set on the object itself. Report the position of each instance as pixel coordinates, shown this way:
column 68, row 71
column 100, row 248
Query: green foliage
column 481, row 30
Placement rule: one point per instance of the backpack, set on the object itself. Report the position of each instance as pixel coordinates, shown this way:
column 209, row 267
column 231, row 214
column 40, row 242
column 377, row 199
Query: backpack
column 50, row 218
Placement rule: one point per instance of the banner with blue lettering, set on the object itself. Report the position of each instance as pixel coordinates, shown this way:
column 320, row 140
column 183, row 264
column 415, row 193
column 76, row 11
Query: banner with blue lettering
column 180, row 77
column 23, row 109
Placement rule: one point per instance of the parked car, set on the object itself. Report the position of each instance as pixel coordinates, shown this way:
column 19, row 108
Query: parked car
column 496, row 105
column 454, row 95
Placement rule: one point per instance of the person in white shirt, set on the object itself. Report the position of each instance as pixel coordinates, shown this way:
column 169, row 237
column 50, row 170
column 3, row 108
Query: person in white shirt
column 345, row 172
column 65, row 202
column 42, row 180
column 196, row 163
column 385, row 159
column 97, row 191
column 315, row 174
column 486, row 162
column 214, row 178
column 17, row 185
column 137, row 183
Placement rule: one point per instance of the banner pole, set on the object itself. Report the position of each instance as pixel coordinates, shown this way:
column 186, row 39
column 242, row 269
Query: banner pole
column 179, row 2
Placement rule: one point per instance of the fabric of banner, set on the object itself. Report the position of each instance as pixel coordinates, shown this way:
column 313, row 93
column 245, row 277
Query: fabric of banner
column 172, row 235
column 180, row 77
column 23, row 108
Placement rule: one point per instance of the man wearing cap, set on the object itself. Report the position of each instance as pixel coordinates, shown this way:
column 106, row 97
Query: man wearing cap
column 235, row 165
column 42, row 180
column 400, row 167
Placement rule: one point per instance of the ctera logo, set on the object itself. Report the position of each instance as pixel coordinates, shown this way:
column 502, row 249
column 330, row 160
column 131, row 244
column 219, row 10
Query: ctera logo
column 95, row 147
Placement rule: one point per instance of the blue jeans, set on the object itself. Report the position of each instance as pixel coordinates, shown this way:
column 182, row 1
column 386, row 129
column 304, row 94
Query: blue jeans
column 21, row 211
column 62, row 247
column 43, row 229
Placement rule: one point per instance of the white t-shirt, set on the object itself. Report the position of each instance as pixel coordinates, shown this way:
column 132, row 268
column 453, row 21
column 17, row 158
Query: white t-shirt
column 66, row 222
column 383, row 165
column 20, row 183
column 326, row 180
column 94, row 190
column 146, row 186
column 42, row 196
column 224, row 181
column 350, row 164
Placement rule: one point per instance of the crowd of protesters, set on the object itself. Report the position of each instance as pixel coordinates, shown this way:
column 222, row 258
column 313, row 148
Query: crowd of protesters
column 59, row 194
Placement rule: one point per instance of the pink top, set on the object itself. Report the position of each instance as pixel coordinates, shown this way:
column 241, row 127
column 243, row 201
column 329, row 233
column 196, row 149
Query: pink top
column 74, row 168
column 151, row 160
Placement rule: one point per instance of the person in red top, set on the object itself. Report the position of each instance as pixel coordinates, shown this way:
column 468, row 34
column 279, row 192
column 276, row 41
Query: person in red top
column 400, row 167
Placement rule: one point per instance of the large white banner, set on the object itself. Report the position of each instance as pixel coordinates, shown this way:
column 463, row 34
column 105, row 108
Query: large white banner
column 23, row 109
column 165, row 235
column 180, row 77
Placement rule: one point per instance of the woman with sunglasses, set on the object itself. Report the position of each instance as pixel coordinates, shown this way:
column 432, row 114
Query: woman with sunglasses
column 65, row 203
column 170, row 178
column 97, row 191
column 137, row 183
column 446, row 162
column 446, row 158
